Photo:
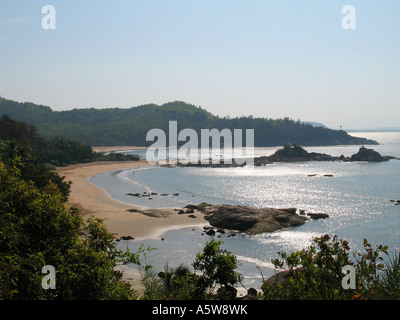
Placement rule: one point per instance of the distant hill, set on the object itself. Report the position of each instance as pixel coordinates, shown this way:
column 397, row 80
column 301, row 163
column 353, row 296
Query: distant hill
column 117, row 126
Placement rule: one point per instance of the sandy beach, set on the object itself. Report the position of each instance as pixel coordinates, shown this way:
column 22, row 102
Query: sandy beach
column 92, row 200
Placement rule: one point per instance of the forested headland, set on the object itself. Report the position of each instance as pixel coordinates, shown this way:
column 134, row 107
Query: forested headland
column 129, row 126
column 17, row 137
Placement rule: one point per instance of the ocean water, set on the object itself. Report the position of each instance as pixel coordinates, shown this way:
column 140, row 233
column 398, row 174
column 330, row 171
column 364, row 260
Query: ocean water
column 357, row 198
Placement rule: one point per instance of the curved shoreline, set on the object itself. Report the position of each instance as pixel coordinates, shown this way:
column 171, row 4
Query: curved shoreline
column 95, row 201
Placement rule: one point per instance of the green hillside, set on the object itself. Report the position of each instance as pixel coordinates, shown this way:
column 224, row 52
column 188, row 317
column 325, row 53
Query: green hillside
column 117, row 126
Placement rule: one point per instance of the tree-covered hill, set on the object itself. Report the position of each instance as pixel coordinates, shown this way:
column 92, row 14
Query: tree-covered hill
column 118, row 126
column 17, row 137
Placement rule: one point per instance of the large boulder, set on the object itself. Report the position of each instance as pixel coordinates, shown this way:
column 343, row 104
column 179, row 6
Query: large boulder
column 252, row 220
column 365, row 154
column 316, row 216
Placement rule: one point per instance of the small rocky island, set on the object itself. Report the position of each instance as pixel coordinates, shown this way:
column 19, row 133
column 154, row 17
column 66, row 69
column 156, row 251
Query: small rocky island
column 255, row 220
column 252, row 220
column 295, row 153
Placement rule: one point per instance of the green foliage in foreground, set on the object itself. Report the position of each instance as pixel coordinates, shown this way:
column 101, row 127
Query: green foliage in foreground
column 19, row 156
column 214, row 277
column 37, row 228
column 316, row 272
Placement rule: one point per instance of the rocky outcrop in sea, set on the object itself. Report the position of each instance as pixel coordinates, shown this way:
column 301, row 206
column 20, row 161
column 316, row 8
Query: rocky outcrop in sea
column 295, row 153
column 252, row 220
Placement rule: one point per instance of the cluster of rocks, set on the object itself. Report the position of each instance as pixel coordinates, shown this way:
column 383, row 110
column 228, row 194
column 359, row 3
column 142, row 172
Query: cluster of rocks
column 125, row 238
column 231, row 220
column 211, row 231
column 295, row 153
column 189, row 210
column 256, row 220
column 396, row 202
column 150, row 195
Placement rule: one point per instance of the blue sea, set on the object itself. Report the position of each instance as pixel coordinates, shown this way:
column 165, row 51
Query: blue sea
column 356, row 197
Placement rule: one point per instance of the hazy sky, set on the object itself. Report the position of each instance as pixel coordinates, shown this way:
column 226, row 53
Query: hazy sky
column 262, row 58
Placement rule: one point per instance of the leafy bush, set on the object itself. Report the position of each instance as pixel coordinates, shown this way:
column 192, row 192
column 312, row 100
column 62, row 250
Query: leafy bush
column 38, row 229
column 390, row 281
column 18, row 155
column 316, row 272
column 218, row 269
column 214, row 269
column 172, row 283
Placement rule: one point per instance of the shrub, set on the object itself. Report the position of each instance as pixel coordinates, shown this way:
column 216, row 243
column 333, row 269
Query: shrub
column 390, row 281
column 38, row 229
column 214, row 269
column 316, row 272
column 217, row 269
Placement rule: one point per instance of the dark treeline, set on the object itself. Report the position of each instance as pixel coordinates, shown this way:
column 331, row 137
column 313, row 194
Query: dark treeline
column 117, row 126
column 54, row 151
